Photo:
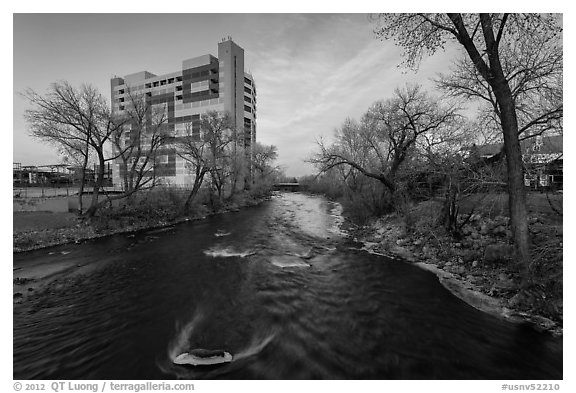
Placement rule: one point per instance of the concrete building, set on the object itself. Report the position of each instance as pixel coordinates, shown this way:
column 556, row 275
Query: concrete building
column 205, row 83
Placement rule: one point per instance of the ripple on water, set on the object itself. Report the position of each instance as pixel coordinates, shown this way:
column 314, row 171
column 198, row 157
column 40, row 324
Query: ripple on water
column 286, row 261
column 188, row 333
column 304, row 307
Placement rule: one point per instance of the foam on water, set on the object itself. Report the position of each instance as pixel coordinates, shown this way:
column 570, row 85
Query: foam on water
column 227, row 252
column 181, row 342
column 284, row 261
column 221, row 233
column 256, row 346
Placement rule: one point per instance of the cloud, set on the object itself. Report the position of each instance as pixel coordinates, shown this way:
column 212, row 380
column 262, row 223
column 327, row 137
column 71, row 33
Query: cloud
column 300, row 99
column 338, row 73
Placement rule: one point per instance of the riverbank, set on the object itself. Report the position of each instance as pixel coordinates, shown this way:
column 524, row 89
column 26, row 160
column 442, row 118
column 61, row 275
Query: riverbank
column 42, row 229
column 478, row 267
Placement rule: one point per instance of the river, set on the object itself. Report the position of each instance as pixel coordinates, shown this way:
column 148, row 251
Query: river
column 280, row 287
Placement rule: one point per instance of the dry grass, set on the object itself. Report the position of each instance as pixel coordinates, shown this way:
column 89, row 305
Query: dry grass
column 41, row 220
column 496, row 204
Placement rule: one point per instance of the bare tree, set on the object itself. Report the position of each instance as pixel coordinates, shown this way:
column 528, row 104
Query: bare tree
column 194, row 149
column 75, row 120
column 142, row 133
column 209, row 151
column 237, row 169
column 533, row 67
column 264, row 172
column 387, row 136
column 483, row 38
column 262, row 158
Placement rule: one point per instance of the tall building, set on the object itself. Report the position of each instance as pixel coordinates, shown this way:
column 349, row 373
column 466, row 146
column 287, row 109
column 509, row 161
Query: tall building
column 205, row 83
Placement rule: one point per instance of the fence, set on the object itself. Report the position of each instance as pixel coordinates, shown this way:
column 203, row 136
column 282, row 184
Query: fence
column 49, row 192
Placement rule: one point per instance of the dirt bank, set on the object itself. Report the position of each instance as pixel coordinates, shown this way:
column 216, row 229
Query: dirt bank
column 41, row 229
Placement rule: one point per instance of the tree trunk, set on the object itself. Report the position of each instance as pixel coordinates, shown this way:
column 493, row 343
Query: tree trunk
column 450, row 208
column 509, row 121
column 197, row 184
column 516, row 190
column 388, row 183
column 494, row 75
column 82, row 182
column 97, row 185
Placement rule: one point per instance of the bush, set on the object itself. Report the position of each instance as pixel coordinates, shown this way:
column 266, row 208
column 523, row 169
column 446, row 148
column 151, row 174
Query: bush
column 425, row 216
column 361, row 208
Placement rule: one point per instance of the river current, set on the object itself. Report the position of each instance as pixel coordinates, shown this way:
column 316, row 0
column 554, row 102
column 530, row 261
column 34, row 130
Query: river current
column 281, row 288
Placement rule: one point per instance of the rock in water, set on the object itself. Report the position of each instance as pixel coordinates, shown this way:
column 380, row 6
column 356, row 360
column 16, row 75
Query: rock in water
column 207, row 353
column 203, row 357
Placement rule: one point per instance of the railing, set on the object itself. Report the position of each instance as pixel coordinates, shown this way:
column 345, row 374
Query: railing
column 49, row 192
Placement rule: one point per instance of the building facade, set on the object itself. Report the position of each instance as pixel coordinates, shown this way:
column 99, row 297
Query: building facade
column 205, row 83
column 543, row 162
column 543, row 158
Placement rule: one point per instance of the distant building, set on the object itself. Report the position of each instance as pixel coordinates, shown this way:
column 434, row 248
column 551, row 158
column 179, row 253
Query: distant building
column 543, row 158
column 205, row 83
column 56, row 174
column 543, row 161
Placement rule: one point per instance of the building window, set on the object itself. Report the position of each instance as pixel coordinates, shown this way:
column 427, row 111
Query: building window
column 247, row 90
column 247, row 99
column 248, row 81
column 247, row 108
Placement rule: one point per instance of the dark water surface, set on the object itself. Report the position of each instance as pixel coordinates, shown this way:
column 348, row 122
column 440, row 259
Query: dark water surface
column 281, row 290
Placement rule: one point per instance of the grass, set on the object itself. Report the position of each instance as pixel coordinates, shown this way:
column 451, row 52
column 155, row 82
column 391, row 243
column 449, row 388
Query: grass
column 36, row 229
column 496, row 204
column 42, row 220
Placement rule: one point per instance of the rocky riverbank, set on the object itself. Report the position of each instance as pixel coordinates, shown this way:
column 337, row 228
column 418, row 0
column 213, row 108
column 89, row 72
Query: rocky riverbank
column 478, row 267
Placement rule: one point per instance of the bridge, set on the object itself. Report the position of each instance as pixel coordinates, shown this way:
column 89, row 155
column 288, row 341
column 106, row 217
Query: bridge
column 287, row 187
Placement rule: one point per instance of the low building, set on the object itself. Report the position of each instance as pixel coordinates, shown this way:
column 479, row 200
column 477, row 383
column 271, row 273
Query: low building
column 543, row 160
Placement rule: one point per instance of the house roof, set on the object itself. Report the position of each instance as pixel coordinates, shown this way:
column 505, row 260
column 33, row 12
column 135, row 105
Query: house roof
column 489, row 150
column 546, row 145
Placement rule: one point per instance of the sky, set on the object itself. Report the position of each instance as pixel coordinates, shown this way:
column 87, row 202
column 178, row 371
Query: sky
column 312, row 71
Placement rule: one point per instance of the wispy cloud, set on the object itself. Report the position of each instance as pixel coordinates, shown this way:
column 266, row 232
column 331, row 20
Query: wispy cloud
column 302, row 98
column 338, row 73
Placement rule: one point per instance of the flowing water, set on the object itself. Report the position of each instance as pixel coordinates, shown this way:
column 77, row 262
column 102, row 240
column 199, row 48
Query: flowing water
column 280, row 288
